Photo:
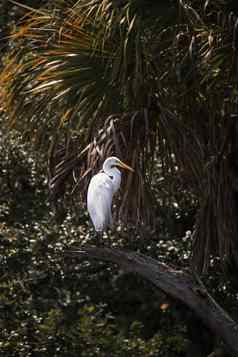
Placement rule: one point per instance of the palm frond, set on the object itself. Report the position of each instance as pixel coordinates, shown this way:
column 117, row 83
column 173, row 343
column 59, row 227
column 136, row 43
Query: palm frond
column 173, row 81
column 122, row 135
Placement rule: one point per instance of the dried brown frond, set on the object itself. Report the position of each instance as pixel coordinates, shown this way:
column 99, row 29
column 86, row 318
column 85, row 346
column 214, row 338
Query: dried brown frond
column 173, row 77
column 131, row 137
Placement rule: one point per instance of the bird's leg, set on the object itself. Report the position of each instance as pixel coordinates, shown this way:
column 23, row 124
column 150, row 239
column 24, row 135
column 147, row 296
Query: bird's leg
column 101, row 241
column 97, row 238
column 93, row 238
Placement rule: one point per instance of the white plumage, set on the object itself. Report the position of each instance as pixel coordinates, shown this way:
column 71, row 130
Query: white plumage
column 101, row 190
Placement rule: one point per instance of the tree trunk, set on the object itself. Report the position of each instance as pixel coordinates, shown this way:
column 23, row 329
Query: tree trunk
column 181, row 285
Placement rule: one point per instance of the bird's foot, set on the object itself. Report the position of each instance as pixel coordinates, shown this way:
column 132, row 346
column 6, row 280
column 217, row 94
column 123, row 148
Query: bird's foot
column 97, row 239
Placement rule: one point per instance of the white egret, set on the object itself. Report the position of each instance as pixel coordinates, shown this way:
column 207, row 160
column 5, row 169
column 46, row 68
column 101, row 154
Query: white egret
column 101, row 190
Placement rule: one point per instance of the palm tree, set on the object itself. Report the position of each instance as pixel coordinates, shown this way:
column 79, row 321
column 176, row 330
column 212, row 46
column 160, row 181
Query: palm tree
column 141, row 80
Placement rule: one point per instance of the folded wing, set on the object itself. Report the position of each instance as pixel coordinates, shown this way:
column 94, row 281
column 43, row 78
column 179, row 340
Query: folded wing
column 99, row 201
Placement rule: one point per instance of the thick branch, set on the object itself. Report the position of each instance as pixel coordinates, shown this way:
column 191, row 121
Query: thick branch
column 179, row 284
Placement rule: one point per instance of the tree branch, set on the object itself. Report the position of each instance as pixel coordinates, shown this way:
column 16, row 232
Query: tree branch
column 181, row 285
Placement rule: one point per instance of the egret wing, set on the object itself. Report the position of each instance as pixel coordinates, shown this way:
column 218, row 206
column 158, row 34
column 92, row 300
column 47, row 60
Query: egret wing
column 99, row 201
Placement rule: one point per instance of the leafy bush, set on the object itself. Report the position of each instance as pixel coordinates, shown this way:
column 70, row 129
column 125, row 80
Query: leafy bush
column 53, row 305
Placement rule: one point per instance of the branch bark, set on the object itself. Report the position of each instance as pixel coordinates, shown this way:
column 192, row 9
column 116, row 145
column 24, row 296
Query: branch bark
column 181, row 285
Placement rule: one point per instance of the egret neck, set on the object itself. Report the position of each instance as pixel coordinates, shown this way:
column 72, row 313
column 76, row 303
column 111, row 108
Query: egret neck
column 114, row 174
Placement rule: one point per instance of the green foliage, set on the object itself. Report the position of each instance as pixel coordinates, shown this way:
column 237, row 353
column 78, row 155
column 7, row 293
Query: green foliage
column 21, row 173
column 153, row 84
column 148, row 81
column 53, row 305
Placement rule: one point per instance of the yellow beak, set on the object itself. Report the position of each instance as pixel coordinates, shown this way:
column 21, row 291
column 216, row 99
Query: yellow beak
column 125, row 166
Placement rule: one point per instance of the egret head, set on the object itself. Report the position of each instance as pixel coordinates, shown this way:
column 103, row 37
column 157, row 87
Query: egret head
column 113, row 162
